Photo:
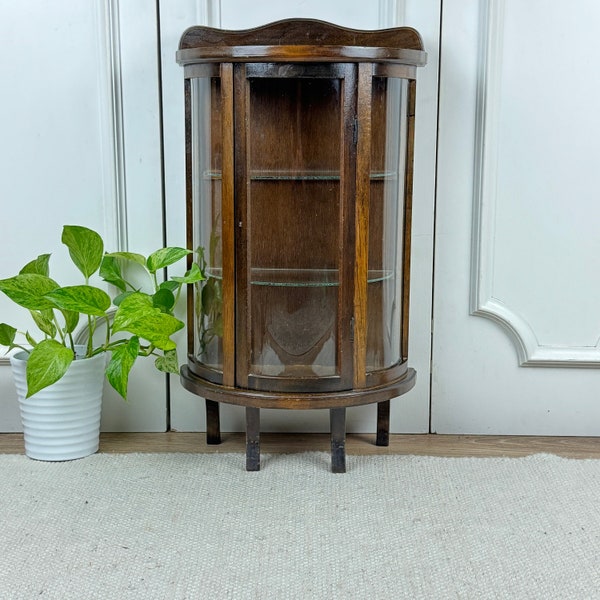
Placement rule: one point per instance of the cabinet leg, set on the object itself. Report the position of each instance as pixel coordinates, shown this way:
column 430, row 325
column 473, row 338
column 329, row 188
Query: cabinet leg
column 213, row 423
column 338, row 440
column 252, row 439
column 383, row 423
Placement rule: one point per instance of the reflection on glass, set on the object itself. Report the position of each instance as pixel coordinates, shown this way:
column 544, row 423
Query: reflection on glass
column 384, row 299
column 294, row 205
column 206, row 191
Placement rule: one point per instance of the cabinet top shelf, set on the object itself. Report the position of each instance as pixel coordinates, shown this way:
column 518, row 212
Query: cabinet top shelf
column 301, row 40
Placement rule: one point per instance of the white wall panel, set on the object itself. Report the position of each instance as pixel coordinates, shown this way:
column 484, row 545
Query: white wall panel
column 51, row 153
column 79, row 122
column 137, row 130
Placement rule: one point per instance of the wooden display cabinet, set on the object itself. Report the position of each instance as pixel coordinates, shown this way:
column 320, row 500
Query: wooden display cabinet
column 299, row 153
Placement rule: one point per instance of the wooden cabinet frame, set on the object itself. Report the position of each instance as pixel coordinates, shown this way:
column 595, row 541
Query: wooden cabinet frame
column 305, row 122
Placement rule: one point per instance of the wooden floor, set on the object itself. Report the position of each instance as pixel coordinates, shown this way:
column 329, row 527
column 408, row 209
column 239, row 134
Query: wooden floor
column 357, row 444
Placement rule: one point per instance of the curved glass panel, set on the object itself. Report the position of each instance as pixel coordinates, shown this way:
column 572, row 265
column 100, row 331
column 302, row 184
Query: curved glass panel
column 207, row 221
column 386, row 209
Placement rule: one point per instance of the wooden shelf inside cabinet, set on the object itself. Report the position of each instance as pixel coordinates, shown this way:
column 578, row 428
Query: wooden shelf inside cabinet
column 299, row 149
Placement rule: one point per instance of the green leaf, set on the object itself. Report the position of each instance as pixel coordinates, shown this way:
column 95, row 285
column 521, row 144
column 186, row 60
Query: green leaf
column 29, row 290
column 47, row 363
column 30, row 340
column 164, row 300
column 71, row 320
column 168, row 362
column 110, row 271
column 44, row 322
column 7, row 335
column 85, row 247
column 119, row 366
column 164, row 257
column 217, row 326
column 172, row 286
column 132, row 256
column 118, row 299
column 136, row 314
column 214, row 244
column 39, row 266
column 192, row 276
column 200, row 260
column 211, row 302
column 85, row 299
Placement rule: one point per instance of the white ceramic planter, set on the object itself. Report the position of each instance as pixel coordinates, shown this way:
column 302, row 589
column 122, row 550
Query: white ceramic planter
column 62, row 421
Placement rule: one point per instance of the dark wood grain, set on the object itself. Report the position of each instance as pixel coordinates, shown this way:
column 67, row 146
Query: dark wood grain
column 362, row 201
column 338, row 440
column 306, row 130
column 252, row 439
column 242, row 230
column 383, row 423
column 295, row 32
column 213, row 422
column 228, row 219
column 296, row 400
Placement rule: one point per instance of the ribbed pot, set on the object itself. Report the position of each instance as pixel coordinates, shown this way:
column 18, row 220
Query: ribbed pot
column 62, row 421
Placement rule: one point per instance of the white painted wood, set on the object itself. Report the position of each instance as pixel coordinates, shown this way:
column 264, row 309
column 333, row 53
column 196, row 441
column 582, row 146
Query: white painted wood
column 51, row 154
column 517, row 150
column 79, row 122
column 186, row 409
column 487, row 296
column 139, row 129
column 411, row 412
column 110, row 84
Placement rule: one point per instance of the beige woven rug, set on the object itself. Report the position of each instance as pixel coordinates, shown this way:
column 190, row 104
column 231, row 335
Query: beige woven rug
column 185, row 526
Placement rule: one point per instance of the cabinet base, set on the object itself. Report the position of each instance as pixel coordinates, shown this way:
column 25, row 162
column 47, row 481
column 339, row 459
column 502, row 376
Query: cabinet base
column 336, row 402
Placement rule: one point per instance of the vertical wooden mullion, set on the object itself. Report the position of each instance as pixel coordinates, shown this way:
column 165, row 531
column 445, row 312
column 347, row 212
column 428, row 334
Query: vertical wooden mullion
column 242, row 227
column 346, row 225
column 408, row 186
column 363, row 170
column 228, row 223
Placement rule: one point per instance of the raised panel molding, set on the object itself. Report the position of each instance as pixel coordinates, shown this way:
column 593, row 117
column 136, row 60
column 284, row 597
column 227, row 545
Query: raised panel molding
column 111, row 119
column 208, row 12
column 111, row 123
column 483, row 303
column 391, row 13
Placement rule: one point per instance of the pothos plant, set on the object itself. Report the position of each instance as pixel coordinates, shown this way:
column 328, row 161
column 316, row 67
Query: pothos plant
column 209, row 304
column 136, row 322
column 209, row 292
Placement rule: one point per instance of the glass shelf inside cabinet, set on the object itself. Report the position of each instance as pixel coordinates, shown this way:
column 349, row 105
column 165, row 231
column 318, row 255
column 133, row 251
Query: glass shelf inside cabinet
column 301, row 277
column 280, row 175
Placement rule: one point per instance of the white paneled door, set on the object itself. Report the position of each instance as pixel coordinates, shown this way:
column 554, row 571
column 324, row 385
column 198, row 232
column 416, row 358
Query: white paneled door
column 516, row 327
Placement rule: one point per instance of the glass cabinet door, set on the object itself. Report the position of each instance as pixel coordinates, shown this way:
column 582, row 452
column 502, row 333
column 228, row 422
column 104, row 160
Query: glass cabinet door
column 290, row 216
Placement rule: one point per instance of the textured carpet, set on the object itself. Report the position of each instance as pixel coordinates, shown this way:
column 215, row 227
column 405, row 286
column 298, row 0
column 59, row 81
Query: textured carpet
column 184, row 526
